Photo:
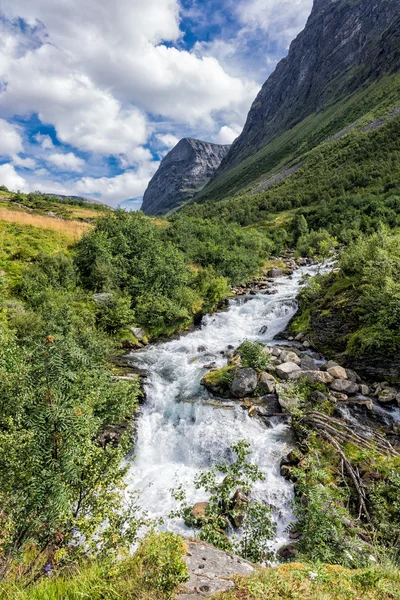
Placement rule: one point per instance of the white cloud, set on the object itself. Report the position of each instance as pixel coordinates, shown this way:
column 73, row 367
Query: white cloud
column 106, row 66
column 227, row 134
column 113, row 190
column 10, row 139
column 282, row 19
column 168, row 140
column 10, row 178
column 24, row 163
column 45, row 141
column 66, row 162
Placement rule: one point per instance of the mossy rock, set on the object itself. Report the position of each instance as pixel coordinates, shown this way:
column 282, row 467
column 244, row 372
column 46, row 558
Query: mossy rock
column 218, row 382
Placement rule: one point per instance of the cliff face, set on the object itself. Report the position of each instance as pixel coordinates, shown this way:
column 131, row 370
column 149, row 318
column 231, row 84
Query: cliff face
column 182, row 173
column 344, row 44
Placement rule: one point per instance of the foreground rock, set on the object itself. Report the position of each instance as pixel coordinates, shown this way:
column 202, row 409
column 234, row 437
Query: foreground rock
column 244, row 383
column 210, row 571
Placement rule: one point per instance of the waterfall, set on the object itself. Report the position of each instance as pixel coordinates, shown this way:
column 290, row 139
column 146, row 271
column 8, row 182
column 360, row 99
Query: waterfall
column 181, row 430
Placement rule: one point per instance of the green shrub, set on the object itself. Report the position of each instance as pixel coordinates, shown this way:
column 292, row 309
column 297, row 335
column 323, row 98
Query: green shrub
column 254, row 355
column 159, row 562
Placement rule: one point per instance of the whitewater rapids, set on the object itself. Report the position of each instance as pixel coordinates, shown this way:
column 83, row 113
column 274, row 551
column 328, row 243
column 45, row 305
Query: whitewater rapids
column 180, row 431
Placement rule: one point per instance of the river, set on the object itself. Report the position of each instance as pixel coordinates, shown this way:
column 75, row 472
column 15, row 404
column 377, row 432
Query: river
column 181, row 430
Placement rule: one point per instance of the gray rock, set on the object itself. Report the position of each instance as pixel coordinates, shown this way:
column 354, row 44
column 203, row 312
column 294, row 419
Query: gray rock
column 344, row 386
column 210, row 571
column 288, row 356
column 329, row 365
column 182, row 173
column 244, row 382
column 387, row 395
column 317, row 376
column 267, row 382
column 318, row 397
column 352, row 376
column 337, row 372
column 275, row 273
column 288, row 371
column 308, row 364
column 364, row 390
column 138, row 332
column 276, row 351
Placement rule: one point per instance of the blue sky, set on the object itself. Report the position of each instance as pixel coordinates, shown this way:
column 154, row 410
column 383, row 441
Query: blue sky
column 93, row 93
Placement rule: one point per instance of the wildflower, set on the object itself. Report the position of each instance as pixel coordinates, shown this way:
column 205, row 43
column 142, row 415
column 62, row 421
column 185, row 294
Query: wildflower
column 47, row 569
column 313, row 575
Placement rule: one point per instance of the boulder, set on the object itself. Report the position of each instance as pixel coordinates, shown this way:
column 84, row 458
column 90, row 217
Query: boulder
column 300, row 336
column 318, row 397
column 274, row 273
column 289, row 370
column 211, row 571
column 329, row 365
column 364, row 390
column 138, row 332
column 308, row 364
column 287, row 356
column 197, row 515
column 344, row 386
column 276, row 351
column 337, row 372
column 267, row 382
column 239, row 504
column 317, row 376
column 338, row 397
column 307, row 344
column 244, row 383
column 270, row 405
column 352, row 376
column 387, row 395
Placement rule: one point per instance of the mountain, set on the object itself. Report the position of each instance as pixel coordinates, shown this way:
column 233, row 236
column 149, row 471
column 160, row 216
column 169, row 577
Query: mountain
column 183, row 172
column 346, row 45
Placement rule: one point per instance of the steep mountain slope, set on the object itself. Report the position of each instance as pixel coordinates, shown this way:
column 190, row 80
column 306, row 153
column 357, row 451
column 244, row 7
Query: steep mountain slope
column 346, row 45
column 183, row 172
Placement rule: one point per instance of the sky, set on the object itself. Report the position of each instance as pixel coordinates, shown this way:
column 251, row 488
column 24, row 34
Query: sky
column 93, row 93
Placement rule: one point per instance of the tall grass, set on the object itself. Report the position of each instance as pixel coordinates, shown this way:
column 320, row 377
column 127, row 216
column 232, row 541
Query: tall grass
column 73, row 230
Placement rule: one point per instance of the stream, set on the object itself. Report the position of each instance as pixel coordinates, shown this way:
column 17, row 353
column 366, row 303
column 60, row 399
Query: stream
column 181, row 430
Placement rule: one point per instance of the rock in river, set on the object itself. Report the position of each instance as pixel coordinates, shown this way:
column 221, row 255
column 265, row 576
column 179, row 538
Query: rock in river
column 244, row 383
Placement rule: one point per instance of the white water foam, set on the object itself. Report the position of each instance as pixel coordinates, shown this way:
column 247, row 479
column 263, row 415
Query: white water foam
column 180, row 432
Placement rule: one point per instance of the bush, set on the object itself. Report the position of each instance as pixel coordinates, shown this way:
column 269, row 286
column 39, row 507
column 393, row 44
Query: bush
column 254, row 355
column 159, row 562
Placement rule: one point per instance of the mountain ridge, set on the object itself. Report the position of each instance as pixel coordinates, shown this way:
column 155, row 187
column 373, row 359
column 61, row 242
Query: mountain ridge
column 182, row 172
column 344, row 46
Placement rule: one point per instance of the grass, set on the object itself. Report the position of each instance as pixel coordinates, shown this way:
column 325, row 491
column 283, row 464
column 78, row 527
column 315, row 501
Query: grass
column 316, row 582
column 71, row 230
column 20, row 244
column 153, row 573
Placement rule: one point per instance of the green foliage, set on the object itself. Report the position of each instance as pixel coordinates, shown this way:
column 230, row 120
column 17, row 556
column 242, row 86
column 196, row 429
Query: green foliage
column 159, row 563
column 230, row 505
column 385, row 503
column 169, row 274
column 114, row 312
column 254, row 355
column 318, row 244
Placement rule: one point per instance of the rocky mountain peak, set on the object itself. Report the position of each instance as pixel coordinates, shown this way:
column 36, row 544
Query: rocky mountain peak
column 183, row 172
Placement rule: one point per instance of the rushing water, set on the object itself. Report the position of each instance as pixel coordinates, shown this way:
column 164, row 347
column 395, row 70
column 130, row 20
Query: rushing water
column 181, row 431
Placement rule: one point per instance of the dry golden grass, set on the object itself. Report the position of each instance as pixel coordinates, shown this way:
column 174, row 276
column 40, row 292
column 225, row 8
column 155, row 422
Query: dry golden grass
column 73, row 230
column 83, row 213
